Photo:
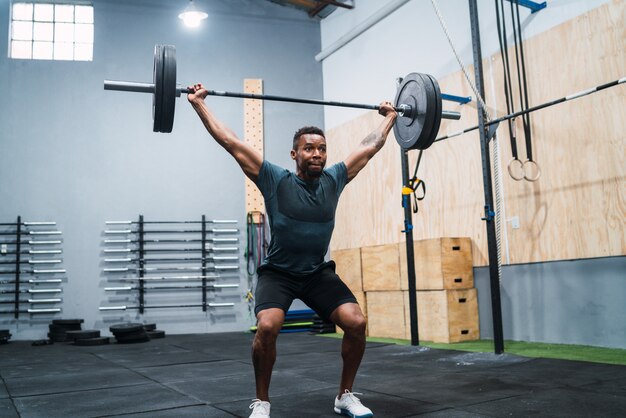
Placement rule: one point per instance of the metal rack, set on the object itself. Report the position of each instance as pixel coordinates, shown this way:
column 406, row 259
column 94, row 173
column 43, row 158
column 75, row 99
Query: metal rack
column 144, row 252
column 38, row 246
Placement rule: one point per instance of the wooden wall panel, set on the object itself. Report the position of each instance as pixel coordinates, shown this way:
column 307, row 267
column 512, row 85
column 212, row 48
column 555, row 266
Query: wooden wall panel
column 577, row 209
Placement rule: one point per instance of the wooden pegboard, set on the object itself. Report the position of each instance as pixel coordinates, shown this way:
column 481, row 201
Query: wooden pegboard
column 253, row 135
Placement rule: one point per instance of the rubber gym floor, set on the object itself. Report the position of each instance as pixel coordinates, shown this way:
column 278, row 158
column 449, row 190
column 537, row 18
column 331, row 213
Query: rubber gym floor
column 210, row 375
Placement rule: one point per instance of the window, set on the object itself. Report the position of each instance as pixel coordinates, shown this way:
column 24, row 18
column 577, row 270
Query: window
column 51, row 31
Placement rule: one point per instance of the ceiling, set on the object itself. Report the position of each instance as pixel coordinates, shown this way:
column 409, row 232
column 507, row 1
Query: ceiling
column 317, row 8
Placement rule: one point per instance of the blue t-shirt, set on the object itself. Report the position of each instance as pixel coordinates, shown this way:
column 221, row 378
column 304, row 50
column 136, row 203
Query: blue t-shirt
column 301, row 215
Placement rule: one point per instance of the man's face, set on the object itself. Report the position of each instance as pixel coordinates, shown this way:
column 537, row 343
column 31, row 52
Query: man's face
column 310, row 156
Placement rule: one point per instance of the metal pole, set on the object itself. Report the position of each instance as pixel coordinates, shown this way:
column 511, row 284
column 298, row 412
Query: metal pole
column 141, row 265
column 18, row 250
column 494, row 276
column 410, row 255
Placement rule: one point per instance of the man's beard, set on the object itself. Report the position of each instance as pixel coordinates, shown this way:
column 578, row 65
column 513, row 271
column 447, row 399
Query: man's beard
column 314, row 173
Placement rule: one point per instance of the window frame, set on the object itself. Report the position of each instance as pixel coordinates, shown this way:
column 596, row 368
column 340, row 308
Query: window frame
column 79, row 50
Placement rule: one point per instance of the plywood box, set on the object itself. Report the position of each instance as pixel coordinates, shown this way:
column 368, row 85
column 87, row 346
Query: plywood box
column 440, row 263
column 349, row 267
column 445, row 316
column 381, row 267
column 385, row 314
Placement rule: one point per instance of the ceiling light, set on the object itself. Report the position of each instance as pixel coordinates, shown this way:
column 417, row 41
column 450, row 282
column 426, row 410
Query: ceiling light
column 191, row 16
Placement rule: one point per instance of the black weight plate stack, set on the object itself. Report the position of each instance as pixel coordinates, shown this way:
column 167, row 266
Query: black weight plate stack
column 168, row 88
column 321, row 326
column 69, row 324
column 439, row 110
column 414, row 128
column 156, row 334
column 5, row 336
column 157, row 79
column 59, row 328
column 149, row 327
column 129, row 333
column 92, row 341
column 82, row 334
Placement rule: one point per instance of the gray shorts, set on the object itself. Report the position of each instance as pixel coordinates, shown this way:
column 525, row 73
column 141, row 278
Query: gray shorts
column 323, row 291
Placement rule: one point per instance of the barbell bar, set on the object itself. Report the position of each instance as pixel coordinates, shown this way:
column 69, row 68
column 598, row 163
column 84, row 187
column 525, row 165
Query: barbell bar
column 417, row 101
column 214, row 221
column 169, row 260
column 572, row 96
column 124, row 307
column 173, row 231
column 208, row 287
column 158, row 269
column 170, row 250
column 31, row 311
column 170, row 241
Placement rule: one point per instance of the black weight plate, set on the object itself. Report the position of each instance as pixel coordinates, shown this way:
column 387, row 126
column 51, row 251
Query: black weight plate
column 157, row 79
column 83, row 334
column 437, row 114
column 64, row 328
column 168, row 94
column 149, row 327
column 133, row 340
column 127, row 327
column 92, row 341
column 67, row 321
column 409, row 128
column 430, row 112
column 130, row 335
column 156, row 334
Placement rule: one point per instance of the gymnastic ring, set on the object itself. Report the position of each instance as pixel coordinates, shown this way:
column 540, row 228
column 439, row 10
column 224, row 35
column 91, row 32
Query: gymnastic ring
column 536, row 177
column 521, row 169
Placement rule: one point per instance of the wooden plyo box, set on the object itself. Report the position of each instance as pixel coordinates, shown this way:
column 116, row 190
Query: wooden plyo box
column 349, row 267
column 385, row 311
column 381, row 267
column 440, row 263
column 445, row 316
column 349, row 270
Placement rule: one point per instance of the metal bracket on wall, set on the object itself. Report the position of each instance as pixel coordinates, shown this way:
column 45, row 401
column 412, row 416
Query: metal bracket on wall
column 533, row 6
column 458, row 99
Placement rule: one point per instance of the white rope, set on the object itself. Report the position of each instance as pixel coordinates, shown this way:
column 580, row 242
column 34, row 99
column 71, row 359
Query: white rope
column 458, row 59
column 499, row 209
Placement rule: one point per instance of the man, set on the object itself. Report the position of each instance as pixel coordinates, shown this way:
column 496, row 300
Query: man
column 301, row 210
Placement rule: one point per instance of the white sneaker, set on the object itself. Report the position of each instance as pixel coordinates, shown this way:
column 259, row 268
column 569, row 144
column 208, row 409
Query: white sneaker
column 350, row 405
column 260, row 409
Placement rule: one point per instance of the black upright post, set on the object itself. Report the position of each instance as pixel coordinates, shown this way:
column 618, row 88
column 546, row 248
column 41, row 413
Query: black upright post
column 494, row 274
column 204, row 256
column 18, row 250
column 410, row 255
column 141, row 265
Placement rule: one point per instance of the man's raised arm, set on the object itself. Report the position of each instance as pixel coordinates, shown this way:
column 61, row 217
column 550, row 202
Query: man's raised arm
column 248, row 158
column 372, row 143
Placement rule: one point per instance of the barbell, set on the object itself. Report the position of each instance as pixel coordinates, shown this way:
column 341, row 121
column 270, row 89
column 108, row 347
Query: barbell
column 417, row 100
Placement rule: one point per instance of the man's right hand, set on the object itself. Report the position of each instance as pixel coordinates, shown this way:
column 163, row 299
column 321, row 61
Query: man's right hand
column 196, row 93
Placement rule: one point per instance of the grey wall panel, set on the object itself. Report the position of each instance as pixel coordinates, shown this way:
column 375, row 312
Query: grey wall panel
column 569, row 302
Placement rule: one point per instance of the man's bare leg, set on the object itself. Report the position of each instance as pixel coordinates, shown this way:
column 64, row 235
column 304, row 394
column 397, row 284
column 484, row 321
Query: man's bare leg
column 269, row 323
column 350, row 318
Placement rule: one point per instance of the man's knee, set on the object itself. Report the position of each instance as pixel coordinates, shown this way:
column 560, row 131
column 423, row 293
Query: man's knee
column 350, row 318
column 269, row 323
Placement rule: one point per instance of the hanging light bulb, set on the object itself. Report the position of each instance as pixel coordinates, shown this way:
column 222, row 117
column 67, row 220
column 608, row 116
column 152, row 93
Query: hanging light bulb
column 191, row 16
